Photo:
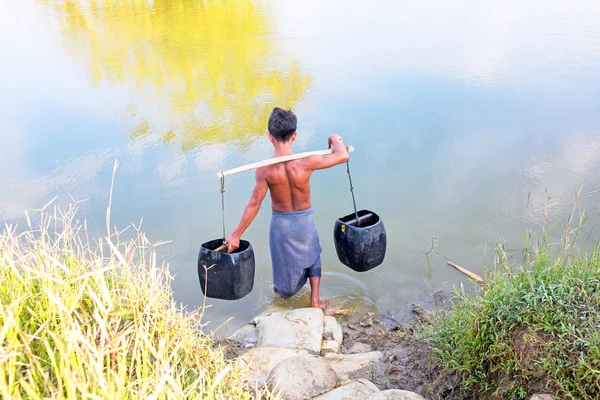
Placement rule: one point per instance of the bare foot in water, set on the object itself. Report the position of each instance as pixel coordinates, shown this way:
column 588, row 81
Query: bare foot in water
column 315, row 299
column 317, row 303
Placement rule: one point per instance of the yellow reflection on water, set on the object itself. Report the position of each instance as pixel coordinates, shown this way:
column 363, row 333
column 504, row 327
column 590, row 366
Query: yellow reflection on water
column 215, row 63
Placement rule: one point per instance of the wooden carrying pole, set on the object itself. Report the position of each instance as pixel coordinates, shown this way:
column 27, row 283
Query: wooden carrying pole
column 277, row 160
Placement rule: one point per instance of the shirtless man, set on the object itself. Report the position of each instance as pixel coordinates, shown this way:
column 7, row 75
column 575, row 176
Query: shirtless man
column 293, row 238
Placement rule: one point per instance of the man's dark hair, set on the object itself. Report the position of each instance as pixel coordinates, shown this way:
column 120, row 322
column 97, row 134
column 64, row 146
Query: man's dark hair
column 282, row 124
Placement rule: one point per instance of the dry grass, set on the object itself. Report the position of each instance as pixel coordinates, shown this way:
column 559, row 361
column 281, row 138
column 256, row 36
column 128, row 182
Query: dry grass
column 82, row 319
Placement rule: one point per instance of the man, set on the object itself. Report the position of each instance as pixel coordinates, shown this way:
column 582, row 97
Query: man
column 293, row 237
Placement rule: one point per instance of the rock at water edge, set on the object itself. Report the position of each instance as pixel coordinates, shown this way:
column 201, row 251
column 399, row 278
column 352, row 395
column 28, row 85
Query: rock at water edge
column 302, row 377
column 355, row 390
column 295, row 329
column 332, row 330
column 261, row 360
column 330, row 346
column 247, row 336
column 395, row 394
column 352, row 366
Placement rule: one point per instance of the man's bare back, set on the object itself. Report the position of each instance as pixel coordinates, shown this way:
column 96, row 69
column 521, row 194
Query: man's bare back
column 289, row 185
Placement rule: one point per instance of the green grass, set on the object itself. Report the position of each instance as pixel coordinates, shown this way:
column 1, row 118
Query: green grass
column 97, row 320
column 531, row 328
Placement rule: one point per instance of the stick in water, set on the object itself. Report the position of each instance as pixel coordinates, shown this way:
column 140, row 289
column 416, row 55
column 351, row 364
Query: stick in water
column 277, row 160
column 466, row 272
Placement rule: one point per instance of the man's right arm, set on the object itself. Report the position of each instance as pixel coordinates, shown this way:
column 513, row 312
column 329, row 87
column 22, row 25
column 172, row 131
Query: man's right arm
column 338, row 156
column 250, row 212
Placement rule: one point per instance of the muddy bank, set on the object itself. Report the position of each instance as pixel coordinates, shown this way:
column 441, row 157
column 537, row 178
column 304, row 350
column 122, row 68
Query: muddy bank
column 406, row 363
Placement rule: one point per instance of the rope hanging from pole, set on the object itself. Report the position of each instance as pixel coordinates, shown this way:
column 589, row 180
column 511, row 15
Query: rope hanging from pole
column 223, row 206
column 352, row 191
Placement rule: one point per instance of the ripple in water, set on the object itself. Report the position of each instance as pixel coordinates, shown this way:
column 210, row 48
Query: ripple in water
column 341, row 292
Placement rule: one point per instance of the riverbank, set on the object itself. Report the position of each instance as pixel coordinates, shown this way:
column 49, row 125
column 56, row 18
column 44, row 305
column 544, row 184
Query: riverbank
column 367, row 359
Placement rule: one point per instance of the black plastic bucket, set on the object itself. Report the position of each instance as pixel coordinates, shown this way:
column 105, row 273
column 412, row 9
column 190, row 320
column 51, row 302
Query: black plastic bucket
column 360, row 246
column 228, row 276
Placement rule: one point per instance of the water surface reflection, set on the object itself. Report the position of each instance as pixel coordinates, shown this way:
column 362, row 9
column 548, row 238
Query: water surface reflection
column 214, row 66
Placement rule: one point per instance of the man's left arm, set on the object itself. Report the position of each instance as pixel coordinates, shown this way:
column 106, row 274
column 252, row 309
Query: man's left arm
column 250, row 212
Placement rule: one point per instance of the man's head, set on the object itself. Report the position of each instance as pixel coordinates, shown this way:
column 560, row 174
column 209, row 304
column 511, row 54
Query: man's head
column 282, row 124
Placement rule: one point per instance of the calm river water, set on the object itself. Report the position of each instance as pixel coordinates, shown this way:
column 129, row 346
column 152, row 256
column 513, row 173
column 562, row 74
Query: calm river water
column 471, row 121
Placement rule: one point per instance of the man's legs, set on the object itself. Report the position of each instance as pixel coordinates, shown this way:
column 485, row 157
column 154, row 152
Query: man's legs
column 314, row 276
column 315, row 300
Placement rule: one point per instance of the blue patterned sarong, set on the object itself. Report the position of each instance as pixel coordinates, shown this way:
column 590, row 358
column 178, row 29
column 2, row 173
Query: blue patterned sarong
column 295, row 250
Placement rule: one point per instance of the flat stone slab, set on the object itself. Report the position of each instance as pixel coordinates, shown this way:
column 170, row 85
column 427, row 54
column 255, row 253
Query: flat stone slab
column 355, row 390
column 247, row 336
column 294, row 329
column 352, row 366
column 260, row 361
column 302, row 377
column 395, row 394
column 332, row 330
